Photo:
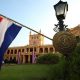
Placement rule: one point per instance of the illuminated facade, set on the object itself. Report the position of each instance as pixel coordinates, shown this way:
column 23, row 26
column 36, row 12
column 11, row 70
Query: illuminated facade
column 36, row 46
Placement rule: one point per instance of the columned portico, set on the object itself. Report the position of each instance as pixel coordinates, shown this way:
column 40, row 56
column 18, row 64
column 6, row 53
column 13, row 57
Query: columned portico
column 25, row 53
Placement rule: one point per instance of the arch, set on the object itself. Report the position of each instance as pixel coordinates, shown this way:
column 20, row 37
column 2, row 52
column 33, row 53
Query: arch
column 41, row 50
column 11, row 51
column 31, row 49
column 35, row 49
column 15, row 51
column 51, row 49
column 22, row 50
column 8, row 51
column 46, row 50
column 19, row 50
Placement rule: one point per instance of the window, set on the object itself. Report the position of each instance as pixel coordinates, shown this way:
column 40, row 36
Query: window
column 11, row 51
column 41, row 50
column 32, row 37
column 19, row 50
column 51, row 49
column 31, row 49
column 22, row 50
column 46, row 50
column 15, row 51
column 35, row 49
column 77, row 38
column 8, row 51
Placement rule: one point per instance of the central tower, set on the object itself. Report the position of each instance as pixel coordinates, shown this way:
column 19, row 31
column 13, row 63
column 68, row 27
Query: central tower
column 36, row 39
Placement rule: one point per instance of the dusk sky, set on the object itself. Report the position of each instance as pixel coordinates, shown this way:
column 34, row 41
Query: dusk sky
column 38, row 14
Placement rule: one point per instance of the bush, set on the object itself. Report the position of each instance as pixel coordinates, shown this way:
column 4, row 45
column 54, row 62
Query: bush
column 48, row 59
column 75, row 64
column 6, row 61
column 59, row 71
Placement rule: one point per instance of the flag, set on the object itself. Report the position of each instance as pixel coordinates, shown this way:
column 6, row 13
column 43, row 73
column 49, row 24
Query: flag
column 33, row 57
column 18, row 56
column 8, row 32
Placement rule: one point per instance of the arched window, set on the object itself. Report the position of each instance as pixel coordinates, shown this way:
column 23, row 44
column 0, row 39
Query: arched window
column 35, row 49
column 19, row 50
column 46, row 50
column 15, row 51
column 22, row 50
column 11, row 51
column 78, row 38
column 31, row 49
column 41, row 50
column 51, row 49
column 8, row 51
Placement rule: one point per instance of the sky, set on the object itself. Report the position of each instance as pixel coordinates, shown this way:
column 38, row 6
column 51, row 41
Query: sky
column 38, row 15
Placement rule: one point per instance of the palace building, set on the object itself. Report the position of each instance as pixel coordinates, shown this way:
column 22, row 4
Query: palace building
column 36, row 46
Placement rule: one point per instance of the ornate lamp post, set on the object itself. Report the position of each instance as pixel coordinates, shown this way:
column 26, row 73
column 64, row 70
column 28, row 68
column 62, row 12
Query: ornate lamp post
column 61, row 9
column 63, row 41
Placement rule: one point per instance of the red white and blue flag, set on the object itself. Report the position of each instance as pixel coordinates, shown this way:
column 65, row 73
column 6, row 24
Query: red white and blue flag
column 8, row 32
column 33, row 57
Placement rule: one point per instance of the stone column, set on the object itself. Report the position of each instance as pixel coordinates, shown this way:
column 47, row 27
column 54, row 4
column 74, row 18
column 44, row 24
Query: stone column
column 43, row 50
column 23, row 59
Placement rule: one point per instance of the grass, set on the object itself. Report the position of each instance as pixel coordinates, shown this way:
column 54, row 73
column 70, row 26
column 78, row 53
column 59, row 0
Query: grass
column 24, row 72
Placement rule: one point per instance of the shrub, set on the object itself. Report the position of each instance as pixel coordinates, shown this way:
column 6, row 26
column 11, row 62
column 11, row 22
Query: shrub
column 6, row 61
column 56, row 71
column 67, row 69
column 75, row 64
column 48, row 59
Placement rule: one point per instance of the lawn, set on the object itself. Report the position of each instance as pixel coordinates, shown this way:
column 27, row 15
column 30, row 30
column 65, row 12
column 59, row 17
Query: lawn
column 25, row 72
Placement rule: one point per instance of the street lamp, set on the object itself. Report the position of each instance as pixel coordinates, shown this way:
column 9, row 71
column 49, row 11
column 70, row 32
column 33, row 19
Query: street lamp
column 63, row 41
column 61, row 9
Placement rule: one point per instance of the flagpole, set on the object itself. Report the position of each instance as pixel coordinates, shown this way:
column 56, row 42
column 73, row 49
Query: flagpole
column 27, row 27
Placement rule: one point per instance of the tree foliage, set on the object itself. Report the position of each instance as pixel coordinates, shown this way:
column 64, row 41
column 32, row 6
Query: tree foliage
column 75, row 64
column 67, row 69
column 48, row 59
